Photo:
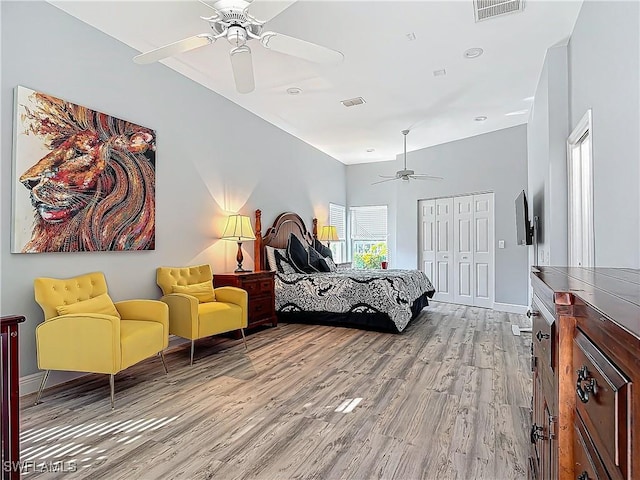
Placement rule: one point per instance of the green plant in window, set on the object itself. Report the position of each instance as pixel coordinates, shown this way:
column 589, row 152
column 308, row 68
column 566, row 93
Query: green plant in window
column 370, row 255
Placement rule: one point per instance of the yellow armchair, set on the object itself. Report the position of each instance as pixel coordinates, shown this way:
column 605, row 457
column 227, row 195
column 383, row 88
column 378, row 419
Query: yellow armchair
column 84, row 331
column 212, row 312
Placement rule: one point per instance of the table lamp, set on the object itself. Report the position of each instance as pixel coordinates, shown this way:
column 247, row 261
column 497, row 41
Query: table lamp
column 328, row 234
column 238, row 229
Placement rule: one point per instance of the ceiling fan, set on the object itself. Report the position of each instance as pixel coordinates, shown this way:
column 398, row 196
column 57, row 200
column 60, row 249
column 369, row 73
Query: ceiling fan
column 405, row 174
column 241, row 21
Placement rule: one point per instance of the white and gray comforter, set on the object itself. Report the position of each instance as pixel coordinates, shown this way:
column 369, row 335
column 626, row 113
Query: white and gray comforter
column 353, row 290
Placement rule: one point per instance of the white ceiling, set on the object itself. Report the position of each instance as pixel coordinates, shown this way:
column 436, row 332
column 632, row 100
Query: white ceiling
column 393, row 74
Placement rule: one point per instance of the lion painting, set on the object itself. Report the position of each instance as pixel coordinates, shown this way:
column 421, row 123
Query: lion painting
column 95, row 189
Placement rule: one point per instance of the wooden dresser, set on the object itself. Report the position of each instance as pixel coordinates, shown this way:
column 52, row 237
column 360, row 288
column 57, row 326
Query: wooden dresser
column 260, row 287
column 586, row 359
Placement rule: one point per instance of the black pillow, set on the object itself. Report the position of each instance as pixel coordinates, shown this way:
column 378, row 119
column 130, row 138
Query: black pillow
column 322, row 249
column 298, row 255
column 316, row 261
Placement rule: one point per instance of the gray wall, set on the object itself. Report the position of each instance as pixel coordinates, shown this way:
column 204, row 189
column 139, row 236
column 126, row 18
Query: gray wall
column 494, row 162
column 213, row 158
column 600, row 69
column 604, row 75
column 547, row 133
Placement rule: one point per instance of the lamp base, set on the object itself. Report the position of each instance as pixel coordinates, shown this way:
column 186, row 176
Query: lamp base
column 241, row 270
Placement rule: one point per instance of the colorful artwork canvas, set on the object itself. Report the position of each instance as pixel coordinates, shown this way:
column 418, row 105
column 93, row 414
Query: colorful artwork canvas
column 82, row 180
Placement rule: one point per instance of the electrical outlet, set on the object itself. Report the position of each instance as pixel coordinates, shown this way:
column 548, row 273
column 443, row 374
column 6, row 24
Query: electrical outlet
column 500, row 243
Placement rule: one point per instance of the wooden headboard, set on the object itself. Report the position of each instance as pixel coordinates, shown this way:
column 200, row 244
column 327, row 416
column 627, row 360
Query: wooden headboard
column 277, row 235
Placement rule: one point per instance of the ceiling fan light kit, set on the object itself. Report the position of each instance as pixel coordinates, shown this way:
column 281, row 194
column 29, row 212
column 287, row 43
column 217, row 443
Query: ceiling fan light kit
column 405, row 174
column 240, row 21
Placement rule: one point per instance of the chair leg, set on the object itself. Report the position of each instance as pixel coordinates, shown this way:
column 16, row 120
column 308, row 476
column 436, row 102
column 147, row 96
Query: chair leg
column 111, row 383
column 192, row 347
column 244, row 339
column 44, row 380
column 164, row 364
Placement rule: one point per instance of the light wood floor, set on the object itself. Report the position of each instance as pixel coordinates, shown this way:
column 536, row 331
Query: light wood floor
column 447, row 399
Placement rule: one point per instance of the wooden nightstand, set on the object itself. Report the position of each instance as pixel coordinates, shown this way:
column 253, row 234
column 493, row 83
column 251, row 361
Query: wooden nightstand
column 260, row 287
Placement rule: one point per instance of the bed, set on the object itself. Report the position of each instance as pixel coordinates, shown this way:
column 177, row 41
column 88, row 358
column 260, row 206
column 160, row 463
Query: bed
column 374, row 299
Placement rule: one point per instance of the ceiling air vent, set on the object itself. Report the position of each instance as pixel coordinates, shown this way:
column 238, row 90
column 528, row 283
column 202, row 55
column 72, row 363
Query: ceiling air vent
column 486, row 9
column 352, row 102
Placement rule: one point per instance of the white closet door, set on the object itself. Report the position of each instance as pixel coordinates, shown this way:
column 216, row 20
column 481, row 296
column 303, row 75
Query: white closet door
column 444, row 250
column 457, row 248
column 483, row 251
column 427, row 214
column 463, row 236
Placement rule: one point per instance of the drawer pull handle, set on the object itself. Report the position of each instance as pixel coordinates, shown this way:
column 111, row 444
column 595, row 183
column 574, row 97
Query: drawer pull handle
column 583, row 476
column 532, row 313
column 542, row 336
column 590, row 387
column 536, row 433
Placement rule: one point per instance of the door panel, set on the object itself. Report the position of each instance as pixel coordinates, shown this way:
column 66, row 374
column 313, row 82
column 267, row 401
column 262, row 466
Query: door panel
column 427, row 232
column 463, row 254
column 482, row 281
column 444, row 249
column 483, row 255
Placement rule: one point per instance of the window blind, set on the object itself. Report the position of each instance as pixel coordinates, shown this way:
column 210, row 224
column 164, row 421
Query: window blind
column 369, row 223
column 337, row 218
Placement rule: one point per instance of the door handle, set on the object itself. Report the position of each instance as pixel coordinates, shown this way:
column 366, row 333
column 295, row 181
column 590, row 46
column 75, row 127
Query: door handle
column 445, row 256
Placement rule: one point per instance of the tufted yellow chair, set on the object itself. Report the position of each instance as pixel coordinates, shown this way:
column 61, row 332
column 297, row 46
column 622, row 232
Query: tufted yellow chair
column 95, row 341
column 192, row 319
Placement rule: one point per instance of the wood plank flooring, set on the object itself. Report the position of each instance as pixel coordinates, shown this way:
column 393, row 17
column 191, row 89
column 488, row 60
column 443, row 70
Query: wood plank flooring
column 447, row 399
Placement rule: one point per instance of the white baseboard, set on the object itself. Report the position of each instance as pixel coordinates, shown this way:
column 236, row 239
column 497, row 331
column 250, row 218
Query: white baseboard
column 30, row 383
column 510, row 308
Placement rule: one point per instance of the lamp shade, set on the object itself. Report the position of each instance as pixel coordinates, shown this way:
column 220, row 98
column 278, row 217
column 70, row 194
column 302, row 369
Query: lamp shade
column 238, row 228
column 328, row 233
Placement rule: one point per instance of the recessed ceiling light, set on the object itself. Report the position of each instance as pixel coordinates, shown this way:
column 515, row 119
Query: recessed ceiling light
column 369, row 150
column 411, row 36
column 439, row 73
column 481, row 118
column 294, row 91
column 473, row 52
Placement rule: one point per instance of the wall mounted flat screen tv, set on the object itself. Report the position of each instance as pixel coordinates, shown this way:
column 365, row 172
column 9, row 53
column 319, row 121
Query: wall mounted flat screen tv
column 523, row 226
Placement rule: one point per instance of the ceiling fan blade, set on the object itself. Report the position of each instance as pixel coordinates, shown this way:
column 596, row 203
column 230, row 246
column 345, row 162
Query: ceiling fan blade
column 174, row 48
column 300, row 48
column 387, row 180
column 422, row 176
column 265, row 10
column 388, row 176
column 242, row 69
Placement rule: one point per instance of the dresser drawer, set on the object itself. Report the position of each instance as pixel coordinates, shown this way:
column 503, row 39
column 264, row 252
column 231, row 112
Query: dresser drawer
column 588, row 465
column 603, row 404
column 543, row 331
column 260, row 308
column 258, row 286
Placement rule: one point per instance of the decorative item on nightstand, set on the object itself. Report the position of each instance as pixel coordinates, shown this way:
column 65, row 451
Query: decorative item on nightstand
column 238, row 229
column 328, row 234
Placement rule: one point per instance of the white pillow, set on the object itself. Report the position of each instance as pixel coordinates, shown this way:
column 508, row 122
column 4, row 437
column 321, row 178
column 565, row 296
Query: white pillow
column 271, row 258
column 331, row 264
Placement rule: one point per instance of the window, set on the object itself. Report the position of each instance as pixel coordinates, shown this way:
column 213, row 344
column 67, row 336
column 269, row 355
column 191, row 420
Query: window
column 368, row 236
column 580, row 176
column 337, row 218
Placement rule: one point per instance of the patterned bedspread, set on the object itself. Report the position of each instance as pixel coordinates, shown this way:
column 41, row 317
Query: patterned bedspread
column 353, row 290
